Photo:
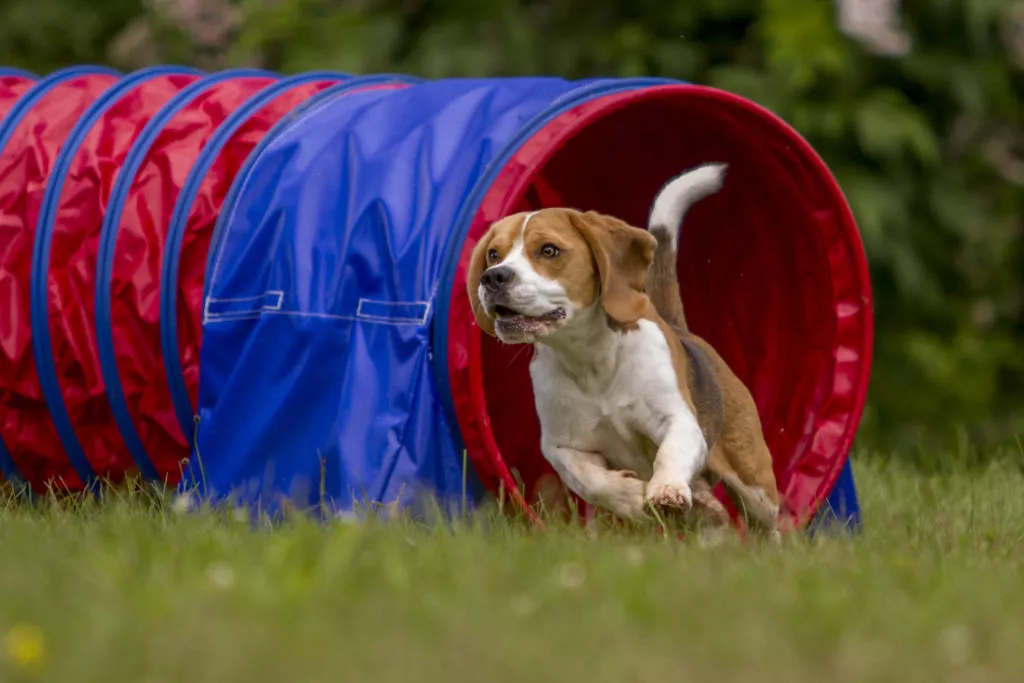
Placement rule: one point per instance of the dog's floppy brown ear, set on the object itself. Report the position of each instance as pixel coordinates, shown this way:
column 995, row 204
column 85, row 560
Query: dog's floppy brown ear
column 477, row 266
column 623, row 255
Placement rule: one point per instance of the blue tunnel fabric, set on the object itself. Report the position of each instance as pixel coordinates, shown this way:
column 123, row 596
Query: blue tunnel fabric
column 842, row 508
column 179, row 219
column 327, row 291
column 316, row 360
column 324, row 377
column 179, row 223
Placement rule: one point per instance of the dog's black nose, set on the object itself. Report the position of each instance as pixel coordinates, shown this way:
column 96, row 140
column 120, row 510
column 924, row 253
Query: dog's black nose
column 495, row 278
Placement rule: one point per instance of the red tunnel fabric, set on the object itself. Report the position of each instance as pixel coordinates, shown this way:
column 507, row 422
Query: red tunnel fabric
column 138, row 253
column 772, row 272
column 25, row 163
column 72, row 266
column 11, row 88
column 203, row 215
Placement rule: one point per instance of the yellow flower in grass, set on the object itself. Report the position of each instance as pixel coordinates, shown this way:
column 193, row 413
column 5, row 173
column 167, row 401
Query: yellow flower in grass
column 25, row 646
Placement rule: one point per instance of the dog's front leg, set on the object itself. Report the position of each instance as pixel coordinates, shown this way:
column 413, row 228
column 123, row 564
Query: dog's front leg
column 681, row 455
column 588, row 476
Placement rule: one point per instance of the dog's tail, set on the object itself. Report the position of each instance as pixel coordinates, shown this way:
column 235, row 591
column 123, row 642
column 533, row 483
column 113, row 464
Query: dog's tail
column 670, row 205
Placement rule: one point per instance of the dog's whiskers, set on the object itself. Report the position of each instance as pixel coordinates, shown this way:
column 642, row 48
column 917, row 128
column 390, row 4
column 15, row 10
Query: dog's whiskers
column 477, row 308
column 523, row 349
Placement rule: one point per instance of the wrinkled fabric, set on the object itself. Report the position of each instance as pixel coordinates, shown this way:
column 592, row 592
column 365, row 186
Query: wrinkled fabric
column 316, row 381
column 321, row 329
column 12, row 85
column 74, row 228
column 188, row 239
column 25, row 163
column 130, row 294
column 771, row 269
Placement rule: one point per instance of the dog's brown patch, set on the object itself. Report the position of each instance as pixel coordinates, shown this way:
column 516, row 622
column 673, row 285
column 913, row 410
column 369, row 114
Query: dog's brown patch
column 740, row 458
column 573, row 266
column 500, row 237
column 705, row 391
column 738, row 455
column 622, row 254
column 663, row 282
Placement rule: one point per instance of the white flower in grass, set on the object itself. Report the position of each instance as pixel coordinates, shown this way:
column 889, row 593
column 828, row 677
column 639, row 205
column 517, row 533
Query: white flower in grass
column 955, row 644
column 346, row 517
column 572, row 575
column 182, row 503
column 634, row 556
column 221, row 575
column 523, row 606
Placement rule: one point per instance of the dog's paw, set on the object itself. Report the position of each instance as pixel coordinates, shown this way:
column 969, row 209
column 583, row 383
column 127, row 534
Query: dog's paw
column 625, row 498
column 669, row 495
column 707, row 511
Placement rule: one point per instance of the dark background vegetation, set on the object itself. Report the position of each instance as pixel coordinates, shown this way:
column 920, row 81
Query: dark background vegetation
column 928, row 144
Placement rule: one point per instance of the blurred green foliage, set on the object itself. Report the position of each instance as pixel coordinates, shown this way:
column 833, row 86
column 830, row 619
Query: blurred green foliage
column 929, row 147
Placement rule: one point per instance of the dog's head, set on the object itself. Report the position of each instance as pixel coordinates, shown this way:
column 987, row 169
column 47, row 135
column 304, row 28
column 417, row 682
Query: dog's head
column 535, row 274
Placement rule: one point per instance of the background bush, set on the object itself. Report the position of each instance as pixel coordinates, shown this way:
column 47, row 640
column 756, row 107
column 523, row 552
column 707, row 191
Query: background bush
column 928, row 146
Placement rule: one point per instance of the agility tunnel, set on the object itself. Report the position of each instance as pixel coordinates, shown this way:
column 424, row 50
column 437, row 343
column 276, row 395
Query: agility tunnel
column 253, row 286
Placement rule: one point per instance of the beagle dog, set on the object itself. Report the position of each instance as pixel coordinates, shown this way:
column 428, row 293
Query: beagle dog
column 635, row 410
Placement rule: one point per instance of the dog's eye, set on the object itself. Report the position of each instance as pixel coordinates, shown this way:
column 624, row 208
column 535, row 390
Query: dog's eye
column 492, row 255
column 550, row 251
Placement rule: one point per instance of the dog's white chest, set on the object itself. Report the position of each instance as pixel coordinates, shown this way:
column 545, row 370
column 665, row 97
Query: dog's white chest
column 621, row 410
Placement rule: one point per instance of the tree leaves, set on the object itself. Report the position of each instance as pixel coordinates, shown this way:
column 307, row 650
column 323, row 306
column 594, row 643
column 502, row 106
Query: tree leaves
column 925, row 146
column 802, row 41
column 888, row 126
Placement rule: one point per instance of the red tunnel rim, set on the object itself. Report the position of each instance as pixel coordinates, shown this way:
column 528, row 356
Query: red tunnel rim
column 510, row 184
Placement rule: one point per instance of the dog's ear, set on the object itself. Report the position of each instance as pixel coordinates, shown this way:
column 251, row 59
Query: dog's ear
column 477, row 266
column 623, row 255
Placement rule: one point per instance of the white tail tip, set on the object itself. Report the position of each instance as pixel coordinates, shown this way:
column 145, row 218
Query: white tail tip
column 676, row 196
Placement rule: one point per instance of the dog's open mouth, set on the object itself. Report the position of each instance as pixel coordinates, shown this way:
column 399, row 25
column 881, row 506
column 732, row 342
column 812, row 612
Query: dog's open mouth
column 510, row 318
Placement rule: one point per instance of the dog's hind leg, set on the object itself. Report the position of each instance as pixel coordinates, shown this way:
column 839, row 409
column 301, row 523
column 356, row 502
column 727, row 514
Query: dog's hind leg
column 752, row 497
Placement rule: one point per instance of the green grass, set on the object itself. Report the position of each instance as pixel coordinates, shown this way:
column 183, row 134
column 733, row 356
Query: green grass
column 933, row 590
